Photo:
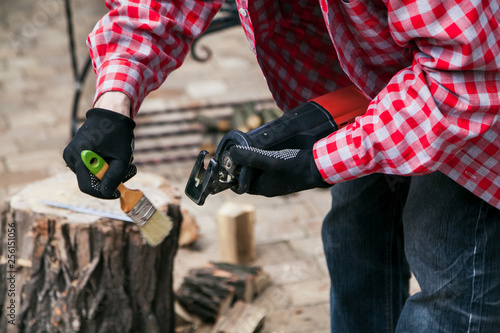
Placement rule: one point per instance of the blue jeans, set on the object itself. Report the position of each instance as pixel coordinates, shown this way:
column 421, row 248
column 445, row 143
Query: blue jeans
column 380, row 226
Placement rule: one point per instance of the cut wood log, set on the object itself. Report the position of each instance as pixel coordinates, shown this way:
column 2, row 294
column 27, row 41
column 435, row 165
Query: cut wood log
column 253, row 121
column 215, row 124
column 256, row 279
column 209, row 291
column 205, row 297
column 269, row 115
column 235, row 223
column 189, row 231
column 242, row 318
column 240, row 115
column 85, row 273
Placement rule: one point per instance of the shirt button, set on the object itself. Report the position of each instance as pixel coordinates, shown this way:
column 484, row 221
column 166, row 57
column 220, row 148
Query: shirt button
column 243, row 12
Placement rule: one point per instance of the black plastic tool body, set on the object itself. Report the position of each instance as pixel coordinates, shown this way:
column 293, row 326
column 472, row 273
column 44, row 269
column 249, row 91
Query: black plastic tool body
column 298, row 128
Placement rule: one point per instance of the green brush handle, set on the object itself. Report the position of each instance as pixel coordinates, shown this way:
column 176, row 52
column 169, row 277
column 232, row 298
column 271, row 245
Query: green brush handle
column 95, row 163
column 98, row 166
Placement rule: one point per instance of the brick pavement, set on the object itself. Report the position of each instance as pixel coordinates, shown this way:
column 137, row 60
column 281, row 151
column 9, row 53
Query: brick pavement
column 36, row 89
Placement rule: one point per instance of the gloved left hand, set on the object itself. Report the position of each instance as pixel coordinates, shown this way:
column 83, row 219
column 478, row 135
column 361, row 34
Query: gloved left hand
column 110, row 135
column 279, row 172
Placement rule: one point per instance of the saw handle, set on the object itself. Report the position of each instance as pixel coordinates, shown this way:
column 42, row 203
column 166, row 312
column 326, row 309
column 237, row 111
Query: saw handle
column 301, row 127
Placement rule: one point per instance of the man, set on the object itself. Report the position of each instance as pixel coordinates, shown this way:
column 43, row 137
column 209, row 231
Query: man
column 416, row 177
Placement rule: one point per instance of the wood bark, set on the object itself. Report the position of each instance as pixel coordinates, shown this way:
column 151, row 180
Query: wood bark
column 210, row 291
column 77, row 273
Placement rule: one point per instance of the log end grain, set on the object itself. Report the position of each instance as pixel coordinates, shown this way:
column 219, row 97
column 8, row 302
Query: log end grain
column 63, row 188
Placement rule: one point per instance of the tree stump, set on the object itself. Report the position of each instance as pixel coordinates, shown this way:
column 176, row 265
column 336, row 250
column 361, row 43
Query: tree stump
column 72, row 272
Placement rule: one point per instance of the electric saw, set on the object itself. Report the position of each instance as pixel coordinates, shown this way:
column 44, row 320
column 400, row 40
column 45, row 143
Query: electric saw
column 299, row 128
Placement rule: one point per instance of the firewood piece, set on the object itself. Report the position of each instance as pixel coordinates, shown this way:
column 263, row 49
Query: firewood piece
column 208, row 291
column 236, row 269
column 205, row 297
column 240, row 116
column 235, row 224
column 269, row 115
column 87, row 273
column 259, row 280
column 253, row 121
column 215, row 124
column 242, row 318
column 182, row 317
column 240, row 283
column 189, row 230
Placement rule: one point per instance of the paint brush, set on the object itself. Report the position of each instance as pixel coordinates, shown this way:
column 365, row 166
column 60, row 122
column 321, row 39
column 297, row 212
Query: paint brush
column 153, row 224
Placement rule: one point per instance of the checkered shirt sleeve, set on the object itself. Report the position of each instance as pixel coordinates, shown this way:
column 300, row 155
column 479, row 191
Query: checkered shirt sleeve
column 436, row 113
column 139, row 42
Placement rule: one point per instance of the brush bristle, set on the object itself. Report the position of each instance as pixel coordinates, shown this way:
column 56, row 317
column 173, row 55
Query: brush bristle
column 157, row 228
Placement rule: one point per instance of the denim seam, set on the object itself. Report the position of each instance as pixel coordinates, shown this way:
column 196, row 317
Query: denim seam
column 390, row 282
column 389, row 271
column 469, row 329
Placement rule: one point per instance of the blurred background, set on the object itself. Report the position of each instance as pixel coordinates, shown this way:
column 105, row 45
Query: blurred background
column 37, row 93
column 37, row 89
column 37, row 84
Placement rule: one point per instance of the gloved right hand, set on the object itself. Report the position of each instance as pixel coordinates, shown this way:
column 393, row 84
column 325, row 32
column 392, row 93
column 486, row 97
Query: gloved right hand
column 279, row 172
column 110, row 135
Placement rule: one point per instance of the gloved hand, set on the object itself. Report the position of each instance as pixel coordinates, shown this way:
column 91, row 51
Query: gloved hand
column 279, row 172
column 110, row 135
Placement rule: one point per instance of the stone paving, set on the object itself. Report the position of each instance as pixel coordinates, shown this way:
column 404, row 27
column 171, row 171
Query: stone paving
column 36, row 91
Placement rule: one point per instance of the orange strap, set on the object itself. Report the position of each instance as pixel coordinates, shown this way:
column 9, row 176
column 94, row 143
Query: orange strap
column 344, row 104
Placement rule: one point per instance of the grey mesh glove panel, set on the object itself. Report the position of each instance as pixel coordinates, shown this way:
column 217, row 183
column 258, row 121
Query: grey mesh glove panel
column 279, row 172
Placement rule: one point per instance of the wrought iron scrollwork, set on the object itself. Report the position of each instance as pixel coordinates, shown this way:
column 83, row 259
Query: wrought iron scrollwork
column 226, row 18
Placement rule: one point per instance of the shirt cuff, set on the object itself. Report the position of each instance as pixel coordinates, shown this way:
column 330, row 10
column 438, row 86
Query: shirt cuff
column 336, row 157
column 124, row 76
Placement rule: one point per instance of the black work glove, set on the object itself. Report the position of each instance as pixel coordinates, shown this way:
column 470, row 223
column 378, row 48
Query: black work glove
column 279, row 172
column 110, row 135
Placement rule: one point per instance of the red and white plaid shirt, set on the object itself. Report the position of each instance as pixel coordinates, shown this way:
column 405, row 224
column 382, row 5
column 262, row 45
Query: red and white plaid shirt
column 430, row 68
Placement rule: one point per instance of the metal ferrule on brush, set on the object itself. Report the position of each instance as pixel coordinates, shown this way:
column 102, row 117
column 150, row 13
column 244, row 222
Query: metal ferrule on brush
column 142, row 211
